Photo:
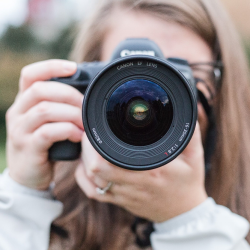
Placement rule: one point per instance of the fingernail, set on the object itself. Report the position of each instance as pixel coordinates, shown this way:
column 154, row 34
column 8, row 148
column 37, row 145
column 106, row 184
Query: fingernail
column 69, row 66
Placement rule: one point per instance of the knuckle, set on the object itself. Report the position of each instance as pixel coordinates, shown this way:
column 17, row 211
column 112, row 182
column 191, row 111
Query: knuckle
column 95, row 167
column 155, row 173
column 74, row 116
column 71, row 93
column 91, row 194
column 43, row 108
column 35, row 89
column 94, row 164
column 25, row 72
column 53, row 64
column 90, row 174
column 140, row 187
column 42, row 134
column 8, row 114
column 15, row 137
column 71, row 129
column 77, row 173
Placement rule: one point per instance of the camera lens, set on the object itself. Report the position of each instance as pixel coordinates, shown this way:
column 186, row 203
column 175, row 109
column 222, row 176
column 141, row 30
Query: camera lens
column 139, row 112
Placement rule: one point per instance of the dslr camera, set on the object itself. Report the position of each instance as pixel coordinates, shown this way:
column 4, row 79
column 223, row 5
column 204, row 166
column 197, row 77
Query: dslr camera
column 139, row 110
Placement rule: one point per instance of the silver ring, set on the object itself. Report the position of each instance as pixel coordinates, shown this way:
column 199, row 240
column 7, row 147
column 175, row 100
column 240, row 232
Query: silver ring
column 104, row 190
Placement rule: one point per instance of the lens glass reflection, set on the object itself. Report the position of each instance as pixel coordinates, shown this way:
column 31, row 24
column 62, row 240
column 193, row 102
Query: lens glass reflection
column 139, row 112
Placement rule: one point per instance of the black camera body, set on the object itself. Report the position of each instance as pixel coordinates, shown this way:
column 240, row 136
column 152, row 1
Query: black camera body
column 139, row 109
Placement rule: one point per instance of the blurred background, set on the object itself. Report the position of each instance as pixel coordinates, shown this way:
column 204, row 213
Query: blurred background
column 34, row 30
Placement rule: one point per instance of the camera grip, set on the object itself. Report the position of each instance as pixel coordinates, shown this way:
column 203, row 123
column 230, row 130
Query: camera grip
column 65, row 151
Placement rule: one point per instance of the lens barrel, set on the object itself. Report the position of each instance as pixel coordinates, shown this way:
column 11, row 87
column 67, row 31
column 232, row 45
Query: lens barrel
column 139, row 112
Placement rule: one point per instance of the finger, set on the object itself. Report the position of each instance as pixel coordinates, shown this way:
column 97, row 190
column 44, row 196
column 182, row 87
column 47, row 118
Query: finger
column 88, row 187
column 48, row 91
column 123, row 188
column 99, row 182
column 49, row 133
column 95, row 164
column 195, row 141
column 42, row 71
column 45, row 112
column 119, row 194
column 194, row 150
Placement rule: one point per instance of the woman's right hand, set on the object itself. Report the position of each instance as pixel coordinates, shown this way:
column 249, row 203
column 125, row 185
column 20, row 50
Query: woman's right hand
column 43, row 113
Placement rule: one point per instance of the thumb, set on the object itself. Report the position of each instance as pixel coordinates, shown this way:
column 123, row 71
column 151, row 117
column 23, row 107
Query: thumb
column 194, row 150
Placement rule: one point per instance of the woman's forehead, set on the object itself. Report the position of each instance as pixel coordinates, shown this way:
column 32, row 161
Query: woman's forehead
column 174, row 39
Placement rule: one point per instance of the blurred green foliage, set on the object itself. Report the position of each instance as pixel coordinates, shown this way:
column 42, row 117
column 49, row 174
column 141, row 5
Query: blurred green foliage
column 19, row 47
column 2, row 158
column 18, row 39
column 61, row 47
column 2, row 141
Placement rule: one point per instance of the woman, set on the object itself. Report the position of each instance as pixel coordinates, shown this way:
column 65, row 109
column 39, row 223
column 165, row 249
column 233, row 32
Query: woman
column 172, row 197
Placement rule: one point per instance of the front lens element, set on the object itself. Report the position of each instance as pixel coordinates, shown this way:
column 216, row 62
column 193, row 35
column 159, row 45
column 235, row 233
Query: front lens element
column 139, row 112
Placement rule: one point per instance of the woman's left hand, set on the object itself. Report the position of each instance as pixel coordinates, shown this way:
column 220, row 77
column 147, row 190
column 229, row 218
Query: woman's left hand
column 156, row 195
